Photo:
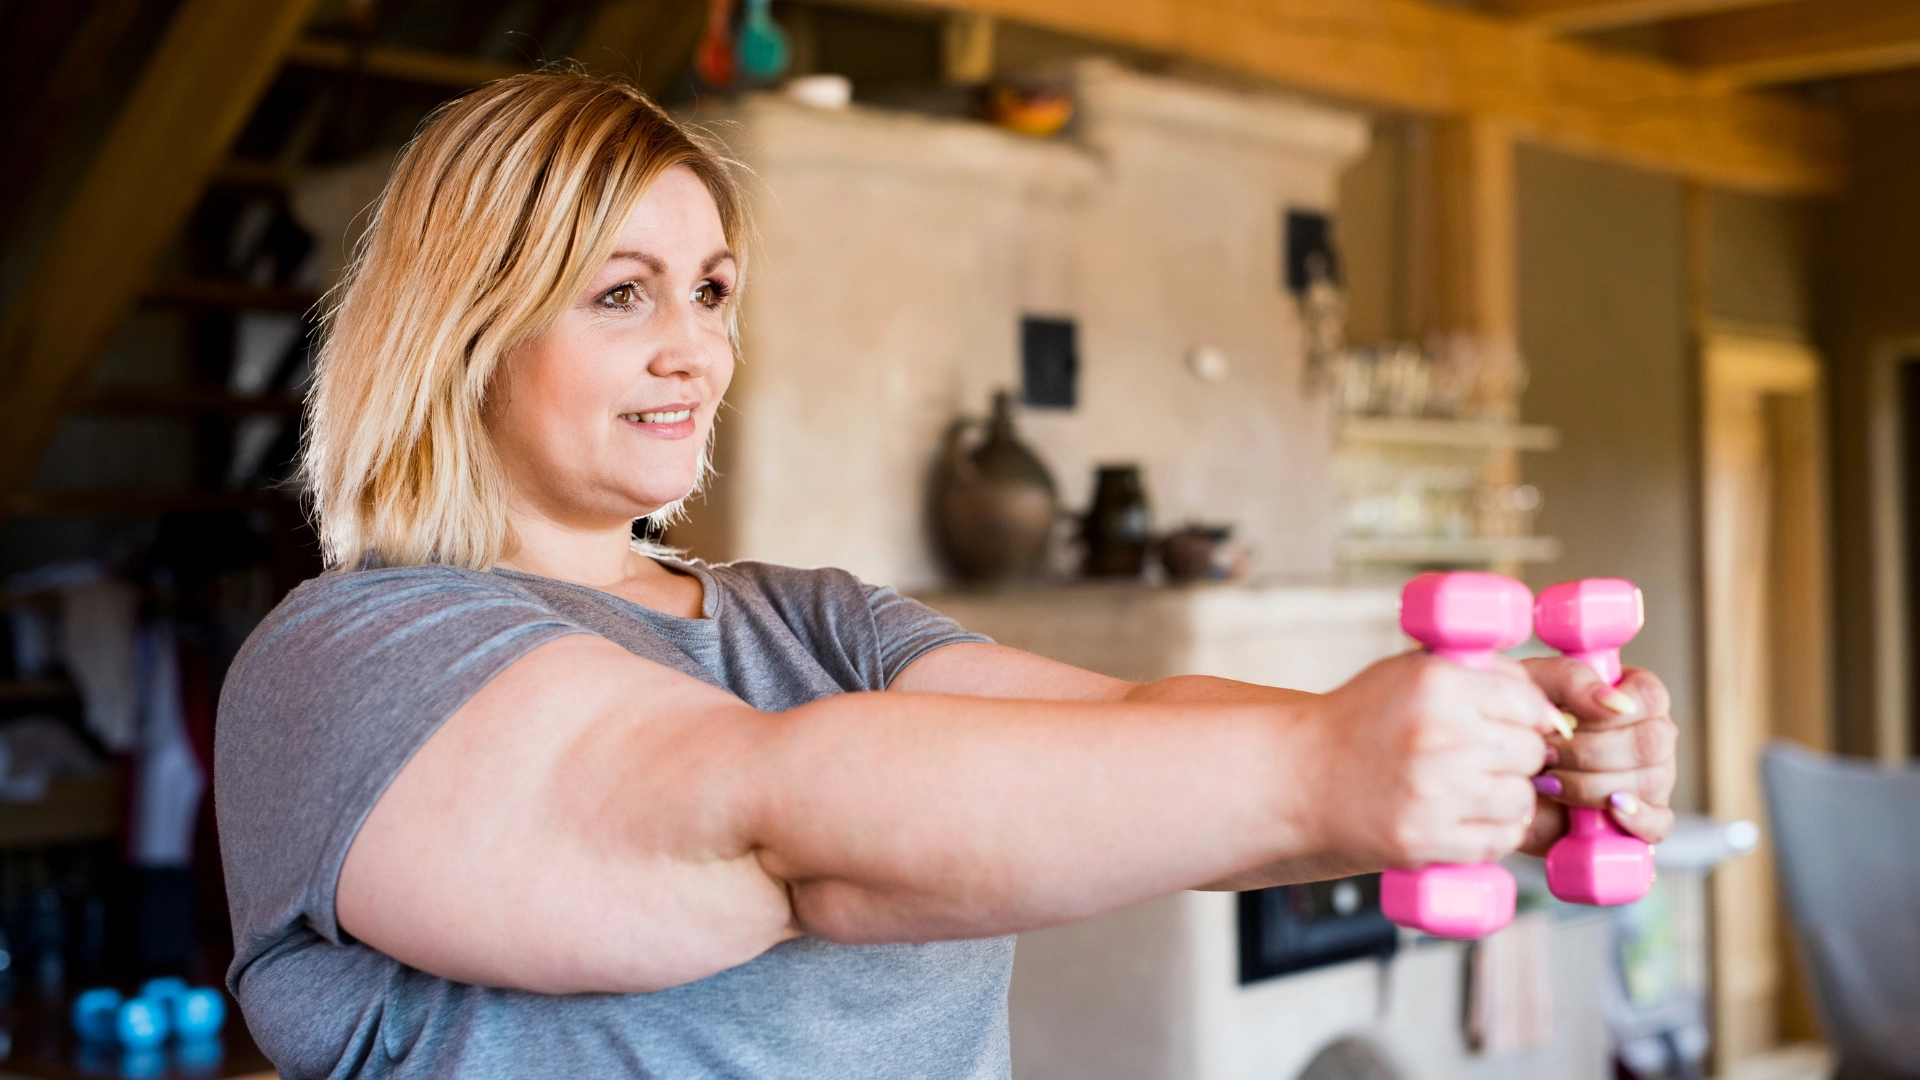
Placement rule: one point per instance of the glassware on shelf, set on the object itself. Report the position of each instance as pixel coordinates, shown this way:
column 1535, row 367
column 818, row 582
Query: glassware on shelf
column 1506, row 509
column 1407, row 497
column 1453, row 377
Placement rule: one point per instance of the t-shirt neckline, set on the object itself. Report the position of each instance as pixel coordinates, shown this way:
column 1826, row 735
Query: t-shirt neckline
column 710, row 598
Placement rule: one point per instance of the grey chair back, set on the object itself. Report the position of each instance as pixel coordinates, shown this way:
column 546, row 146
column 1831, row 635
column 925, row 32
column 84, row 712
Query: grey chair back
column 1847, row 843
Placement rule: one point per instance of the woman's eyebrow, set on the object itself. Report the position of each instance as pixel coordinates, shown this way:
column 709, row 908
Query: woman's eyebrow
column 651, row 262
column 659, row 267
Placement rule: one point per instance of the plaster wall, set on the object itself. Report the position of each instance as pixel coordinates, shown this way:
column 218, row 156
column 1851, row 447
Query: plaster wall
column 1603, row 326
column 898, row 254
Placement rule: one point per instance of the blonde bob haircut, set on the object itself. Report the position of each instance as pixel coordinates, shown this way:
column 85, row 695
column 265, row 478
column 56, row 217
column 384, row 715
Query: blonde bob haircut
column 495, row 217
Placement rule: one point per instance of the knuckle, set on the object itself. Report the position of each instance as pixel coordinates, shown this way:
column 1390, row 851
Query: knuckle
column 1653, row 741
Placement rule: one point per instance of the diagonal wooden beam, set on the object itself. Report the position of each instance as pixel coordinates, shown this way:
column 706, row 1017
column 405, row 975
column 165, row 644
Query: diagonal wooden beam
column 402, row 65
column 202, row 81
column 1428, row 58
column 1573, row 16
column 1806, row 39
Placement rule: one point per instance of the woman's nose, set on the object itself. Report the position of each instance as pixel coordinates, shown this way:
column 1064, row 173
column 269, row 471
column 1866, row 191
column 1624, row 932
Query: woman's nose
column 684, row 349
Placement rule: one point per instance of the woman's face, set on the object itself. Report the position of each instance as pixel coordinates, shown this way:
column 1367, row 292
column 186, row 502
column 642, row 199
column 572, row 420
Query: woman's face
column 601, row 418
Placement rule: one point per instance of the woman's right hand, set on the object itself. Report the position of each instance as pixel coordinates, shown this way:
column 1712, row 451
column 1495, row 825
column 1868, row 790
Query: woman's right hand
column 1426, row 761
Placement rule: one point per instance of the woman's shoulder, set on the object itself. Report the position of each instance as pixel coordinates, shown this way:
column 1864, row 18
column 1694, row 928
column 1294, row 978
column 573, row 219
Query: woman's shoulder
column 342, row 616
column 352, row 597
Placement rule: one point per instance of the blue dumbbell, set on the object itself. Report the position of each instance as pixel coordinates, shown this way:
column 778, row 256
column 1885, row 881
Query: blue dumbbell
column 142, row 1024
column 198, row 1013
column 93, row 1013
column 164, row 989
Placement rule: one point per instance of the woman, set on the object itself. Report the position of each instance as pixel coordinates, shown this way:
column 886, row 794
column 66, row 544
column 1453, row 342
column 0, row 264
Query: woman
column 506, row 795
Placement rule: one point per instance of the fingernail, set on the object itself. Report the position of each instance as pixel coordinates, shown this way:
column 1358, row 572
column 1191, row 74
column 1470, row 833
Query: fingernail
column 1553, row 757
column 1565, row 722
column 1619, row 702
column 1624, row 802
column 1548, row 785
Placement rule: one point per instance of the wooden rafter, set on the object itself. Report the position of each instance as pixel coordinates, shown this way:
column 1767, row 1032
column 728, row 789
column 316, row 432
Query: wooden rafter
column 1577, row 15
column 1806, row 39
column 1440, row 60
column 403, row 65
column 199, row 86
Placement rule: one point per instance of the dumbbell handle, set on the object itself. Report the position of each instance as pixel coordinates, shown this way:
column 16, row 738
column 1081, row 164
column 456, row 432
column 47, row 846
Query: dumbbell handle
column 1458, row 900
column 1598, row 862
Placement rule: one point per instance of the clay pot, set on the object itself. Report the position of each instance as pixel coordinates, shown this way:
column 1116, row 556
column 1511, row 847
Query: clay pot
column 1119, row 526
column 994, row 504
column 1203, row 553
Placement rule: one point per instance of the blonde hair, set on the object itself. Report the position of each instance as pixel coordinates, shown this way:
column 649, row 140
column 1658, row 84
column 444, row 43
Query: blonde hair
column 494, row 219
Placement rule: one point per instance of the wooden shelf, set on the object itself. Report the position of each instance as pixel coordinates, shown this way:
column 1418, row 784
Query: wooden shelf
column 74, row 811
column 32, row 690
column 1416, row 431
column 143, row 502
column 213, row 292
column 402, row 65
column 161, row 399
column 1436, row 552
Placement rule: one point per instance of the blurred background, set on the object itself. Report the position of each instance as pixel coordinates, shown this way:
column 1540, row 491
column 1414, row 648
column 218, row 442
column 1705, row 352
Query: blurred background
column 1154, row 335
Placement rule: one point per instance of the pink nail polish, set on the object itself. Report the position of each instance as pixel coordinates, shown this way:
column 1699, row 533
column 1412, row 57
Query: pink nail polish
column 1553, row 757
column 1548, row 785
column 1624, row 802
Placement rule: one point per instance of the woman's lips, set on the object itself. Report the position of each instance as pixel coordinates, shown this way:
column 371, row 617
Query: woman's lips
column 666, row 422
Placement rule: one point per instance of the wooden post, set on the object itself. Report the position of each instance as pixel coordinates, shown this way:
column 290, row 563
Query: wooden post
column 1476, row 285
column 198, row 89
column 1471, row 298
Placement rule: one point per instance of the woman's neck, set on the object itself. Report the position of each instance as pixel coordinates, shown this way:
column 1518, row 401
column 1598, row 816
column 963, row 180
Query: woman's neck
column 601, row 558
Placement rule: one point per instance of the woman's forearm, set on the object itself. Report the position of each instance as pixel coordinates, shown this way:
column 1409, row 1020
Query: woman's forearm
column 1204, row 689
column 903, row 817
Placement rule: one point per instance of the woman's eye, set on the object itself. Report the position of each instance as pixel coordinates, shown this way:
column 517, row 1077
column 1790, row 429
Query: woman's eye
column 709, row 294
column 620, row 295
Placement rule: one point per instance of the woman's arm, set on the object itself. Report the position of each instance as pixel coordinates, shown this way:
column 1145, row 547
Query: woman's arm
column 1610, row 751
column 594, row 821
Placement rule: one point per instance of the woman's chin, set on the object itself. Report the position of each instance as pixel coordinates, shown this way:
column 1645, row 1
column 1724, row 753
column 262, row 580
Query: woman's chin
column 647, row 503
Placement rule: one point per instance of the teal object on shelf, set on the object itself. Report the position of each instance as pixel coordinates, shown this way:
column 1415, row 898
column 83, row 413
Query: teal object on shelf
column 163, row 989
column 763, row 48
column 142, row 1024
column 198, row 1013
column 94, row 1012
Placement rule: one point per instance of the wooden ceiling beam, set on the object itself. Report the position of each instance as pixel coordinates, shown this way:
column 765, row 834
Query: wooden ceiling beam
column 1803, row 40
column 400, row 65
column 199, row 86
column 1575, row 16
column 1405, row 54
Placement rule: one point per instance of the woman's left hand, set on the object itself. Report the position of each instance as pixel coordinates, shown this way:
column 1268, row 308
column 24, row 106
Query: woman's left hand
column 1620, row 757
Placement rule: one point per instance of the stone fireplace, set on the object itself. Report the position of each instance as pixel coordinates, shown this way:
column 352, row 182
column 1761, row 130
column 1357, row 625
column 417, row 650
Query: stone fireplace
column 898, row 254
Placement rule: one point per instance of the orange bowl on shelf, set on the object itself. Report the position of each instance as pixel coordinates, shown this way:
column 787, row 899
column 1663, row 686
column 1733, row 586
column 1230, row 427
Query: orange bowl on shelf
column 1039, row 113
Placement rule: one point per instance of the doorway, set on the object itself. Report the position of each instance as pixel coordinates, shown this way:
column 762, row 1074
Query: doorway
column 1767, row 645
column 1907, row 387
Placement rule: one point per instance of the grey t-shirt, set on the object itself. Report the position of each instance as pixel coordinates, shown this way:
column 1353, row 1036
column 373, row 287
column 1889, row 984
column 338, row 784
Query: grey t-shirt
column 353, row 672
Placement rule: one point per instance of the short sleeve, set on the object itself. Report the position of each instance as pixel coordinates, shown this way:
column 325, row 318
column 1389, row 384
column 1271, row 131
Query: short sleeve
column 910, row 629
column 327, row 701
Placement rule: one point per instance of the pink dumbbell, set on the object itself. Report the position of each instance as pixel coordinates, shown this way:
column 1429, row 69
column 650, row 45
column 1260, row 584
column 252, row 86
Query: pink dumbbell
column 1465, row 617
column 1597, row 862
